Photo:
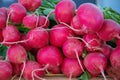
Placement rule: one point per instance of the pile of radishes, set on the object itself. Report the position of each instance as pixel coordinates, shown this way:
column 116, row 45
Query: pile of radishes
column 74, row 45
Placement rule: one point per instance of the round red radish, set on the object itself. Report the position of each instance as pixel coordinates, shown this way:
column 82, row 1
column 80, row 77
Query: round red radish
column 17, row 13
column 49, row 55
column 30, row 21
column 43, row 22
column 90, row 16
column 70, row 67
column 16, row 54
column 5, row 70
column 31, row 69
column 114, row 58
column 64, row 11
column 11, row 34
column 25, row 44
column 92, row 42
column 3, row 19
column 59, row 34
column 38, row 37
column 79, row 28
column 71, row 46
column 31, row 5
column 95, row 63
column 110, row 29
column 1, row 36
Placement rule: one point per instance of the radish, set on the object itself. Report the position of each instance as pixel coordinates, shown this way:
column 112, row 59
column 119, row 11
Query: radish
column 31, row 5
column 43, row 22
column 32, row 71
column 59, row 34
column 5, row 70
column 1, row 36
column 96, row 63
column 77, row 26
column 10, row 34
column 114, row 58
column 110, row 29
column 16, row 54
column 92, row 41
column 90, row 16
column 3, row 19
column 65, row 10
column 71, row 68
column 16, row 13
column 49, row 55
column 37, row 37
column 30, row 21
column 71, row 46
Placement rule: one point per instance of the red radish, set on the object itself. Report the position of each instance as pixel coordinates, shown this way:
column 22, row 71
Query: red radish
column 90, row 16
column 38, row 37
column 59, row 34
column 70, row 47
column 71, row 68
column 78, row 28
column 25, row 44
column 92, row 41
column 31, row 5
column 110, row 29
column 16, row 13
column 43, row 22
column 30, row 21
column 114, row 58
column 96, row 63
column 106, row 50
column 3, row 19
column 10, row 34
column 64, row 11
column 5, row 70
column 32, row 69
column 16, row 54
column 49, row 55
column 1, row 36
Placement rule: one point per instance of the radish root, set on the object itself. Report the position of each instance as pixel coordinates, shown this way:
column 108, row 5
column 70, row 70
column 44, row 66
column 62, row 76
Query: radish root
column 22, row 71
column 33, row 72
column 76, row 53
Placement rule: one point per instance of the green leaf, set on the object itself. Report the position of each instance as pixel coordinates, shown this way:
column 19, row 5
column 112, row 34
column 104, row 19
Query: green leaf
column 47, row 11
column 3, row 50
column 109, row 13
column 84, row 76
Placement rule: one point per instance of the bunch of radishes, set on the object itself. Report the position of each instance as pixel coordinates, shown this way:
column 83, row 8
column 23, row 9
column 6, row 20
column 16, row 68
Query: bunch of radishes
column 75, row 44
